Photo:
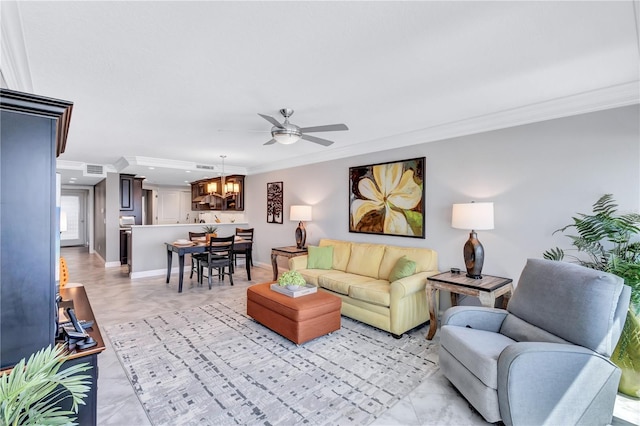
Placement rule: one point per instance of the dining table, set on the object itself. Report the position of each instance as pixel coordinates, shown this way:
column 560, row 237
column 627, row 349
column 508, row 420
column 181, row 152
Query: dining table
column 200, row 247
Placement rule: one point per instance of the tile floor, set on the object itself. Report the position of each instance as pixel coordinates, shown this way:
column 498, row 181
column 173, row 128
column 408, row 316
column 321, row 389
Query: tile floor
column 116, row 299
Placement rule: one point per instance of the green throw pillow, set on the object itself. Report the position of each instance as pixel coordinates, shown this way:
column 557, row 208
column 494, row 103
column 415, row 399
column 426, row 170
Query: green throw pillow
column 320, row 257
column 404, row 267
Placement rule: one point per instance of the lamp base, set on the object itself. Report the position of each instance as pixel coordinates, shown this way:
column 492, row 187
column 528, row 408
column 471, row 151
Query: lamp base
column 473, row 256
column 301, row 235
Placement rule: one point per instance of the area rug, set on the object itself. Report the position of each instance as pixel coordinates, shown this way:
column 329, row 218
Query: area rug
column 215, row 365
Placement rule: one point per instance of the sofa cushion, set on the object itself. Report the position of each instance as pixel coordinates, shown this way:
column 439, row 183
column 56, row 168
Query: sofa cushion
column 426, row 259
column 575, row 303
column 477, row 350
column 311, row 275
column 341, row 253
column 377, row 292
column 365, row 259
column 340, row 281
column 403, row 268
column 320, row 257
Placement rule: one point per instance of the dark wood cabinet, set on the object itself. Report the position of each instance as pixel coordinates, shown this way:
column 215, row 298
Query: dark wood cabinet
column 209, row 194
column 32, row 134
column 126, row 192
column 131, row 197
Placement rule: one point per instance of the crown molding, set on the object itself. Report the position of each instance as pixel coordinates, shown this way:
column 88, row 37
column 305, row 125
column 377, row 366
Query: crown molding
column 582, row 103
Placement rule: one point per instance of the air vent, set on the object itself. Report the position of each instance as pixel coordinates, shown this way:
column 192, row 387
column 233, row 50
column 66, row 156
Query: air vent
column 95, row 170
column 205, row 166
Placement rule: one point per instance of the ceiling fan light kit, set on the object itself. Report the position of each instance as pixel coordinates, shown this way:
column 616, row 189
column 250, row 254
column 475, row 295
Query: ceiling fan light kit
column 287, row 133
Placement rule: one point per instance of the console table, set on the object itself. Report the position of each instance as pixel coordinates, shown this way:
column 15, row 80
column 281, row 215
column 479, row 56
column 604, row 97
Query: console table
column 288, row 252
column 86, row 413
column 487, row 289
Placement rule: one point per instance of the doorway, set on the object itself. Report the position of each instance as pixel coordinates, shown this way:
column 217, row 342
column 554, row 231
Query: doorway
column 73, row 202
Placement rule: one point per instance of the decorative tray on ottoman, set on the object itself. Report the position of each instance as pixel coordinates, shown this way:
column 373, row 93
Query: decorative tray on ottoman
column 299, row 291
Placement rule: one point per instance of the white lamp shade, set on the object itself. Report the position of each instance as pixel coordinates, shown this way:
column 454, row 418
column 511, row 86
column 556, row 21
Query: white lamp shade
column 300, row 213
column 212, row 187
column 286, row 138
column 473, row 216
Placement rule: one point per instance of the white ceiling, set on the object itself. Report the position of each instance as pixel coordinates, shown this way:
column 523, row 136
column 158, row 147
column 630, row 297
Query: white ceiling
column 175, row 84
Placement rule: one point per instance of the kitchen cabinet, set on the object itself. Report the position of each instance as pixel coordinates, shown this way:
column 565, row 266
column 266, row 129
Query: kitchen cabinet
column 33, row 133
column 209, row 194
column 131, row 197
column 126, row 192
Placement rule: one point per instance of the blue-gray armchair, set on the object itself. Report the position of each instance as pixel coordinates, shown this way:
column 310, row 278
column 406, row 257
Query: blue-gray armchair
column 545, row 359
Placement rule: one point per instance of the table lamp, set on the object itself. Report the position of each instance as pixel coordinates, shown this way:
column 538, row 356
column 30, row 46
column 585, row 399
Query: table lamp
column 473, row 216
column 300, row 213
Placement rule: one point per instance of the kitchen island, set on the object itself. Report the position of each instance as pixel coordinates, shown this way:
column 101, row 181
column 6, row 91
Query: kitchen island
column 148, row 254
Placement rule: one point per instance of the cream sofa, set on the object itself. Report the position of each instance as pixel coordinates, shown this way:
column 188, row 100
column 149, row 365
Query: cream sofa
column 359, row 276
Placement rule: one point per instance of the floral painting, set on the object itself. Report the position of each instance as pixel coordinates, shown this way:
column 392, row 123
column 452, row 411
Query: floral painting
column 388, row 198
column 274, row 202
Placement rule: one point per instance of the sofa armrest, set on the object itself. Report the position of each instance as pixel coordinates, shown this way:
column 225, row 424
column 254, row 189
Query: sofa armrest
column 298, row 262
column 555, row 383
column 409, row 285
column 480, row 318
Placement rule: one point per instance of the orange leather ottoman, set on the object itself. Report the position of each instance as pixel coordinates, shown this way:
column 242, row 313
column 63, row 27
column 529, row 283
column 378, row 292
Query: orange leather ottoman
column 299, row 319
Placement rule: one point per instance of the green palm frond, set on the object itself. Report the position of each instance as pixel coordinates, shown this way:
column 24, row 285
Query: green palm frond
column 32, row 391
column 604, row 242
column 554, row 254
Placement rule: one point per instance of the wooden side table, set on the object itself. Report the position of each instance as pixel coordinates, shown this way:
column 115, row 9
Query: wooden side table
column 288, row 252
column 487, row 289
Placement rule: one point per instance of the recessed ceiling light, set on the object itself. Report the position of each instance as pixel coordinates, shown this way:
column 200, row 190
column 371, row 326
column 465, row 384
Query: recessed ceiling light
column 186, row 181
column 152, row 168
column 73, row 178
column 187, row 171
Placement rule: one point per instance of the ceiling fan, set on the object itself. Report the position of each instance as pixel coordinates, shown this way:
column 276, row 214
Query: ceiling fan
column 287, row 133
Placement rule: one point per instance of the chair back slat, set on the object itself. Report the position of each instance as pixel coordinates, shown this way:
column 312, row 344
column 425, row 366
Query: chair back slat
column 222, row 246
column 245, row 233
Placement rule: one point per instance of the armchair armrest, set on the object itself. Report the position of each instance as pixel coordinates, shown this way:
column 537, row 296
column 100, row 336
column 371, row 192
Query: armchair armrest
column 298, row 262
column 555, row 383
column 480, row 318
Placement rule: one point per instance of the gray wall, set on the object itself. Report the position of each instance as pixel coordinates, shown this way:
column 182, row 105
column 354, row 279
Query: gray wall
column 537, row 175
column 106, row 219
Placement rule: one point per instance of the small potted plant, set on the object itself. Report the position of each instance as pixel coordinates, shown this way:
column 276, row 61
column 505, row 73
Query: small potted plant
column 211, row 232
column 291, row 280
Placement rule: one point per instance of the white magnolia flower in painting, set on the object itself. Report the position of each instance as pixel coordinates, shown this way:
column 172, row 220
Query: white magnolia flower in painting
column 391, row 188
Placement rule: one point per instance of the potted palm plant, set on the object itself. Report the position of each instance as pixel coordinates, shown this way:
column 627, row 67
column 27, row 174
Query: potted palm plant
column 210, row 231
column 32, row 391
column 609, row 242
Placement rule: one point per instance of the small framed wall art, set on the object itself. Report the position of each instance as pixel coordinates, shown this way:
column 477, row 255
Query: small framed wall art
column 388, row 198
column 274, row 202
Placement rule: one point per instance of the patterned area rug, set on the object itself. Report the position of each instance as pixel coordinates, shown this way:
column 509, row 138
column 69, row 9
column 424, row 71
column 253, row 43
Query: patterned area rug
column 215, row 365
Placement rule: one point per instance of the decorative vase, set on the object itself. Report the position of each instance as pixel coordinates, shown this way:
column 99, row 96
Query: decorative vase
column 210, row 236
column 293, row 287
column 627, row 356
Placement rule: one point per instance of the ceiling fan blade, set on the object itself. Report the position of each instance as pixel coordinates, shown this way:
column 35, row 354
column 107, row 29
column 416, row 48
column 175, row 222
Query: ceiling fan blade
column 241, row 130
column 271, row 142
column 327, row 128
column 271, row 120
column 314, row 139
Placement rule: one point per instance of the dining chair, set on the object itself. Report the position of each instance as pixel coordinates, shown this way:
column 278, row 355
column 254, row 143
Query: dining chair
column 196, row 257
column 219, row 256
column 247, row 235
